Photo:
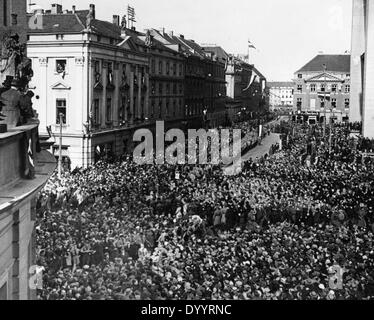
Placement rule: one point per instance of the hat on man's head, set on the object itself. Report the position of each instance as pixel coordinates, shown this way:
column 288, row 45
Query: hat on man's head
column 8, row 81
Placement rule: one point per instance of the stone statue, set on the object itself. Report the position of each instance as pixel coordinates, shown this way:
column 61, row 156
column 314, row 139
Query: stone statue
column 15, row 75
column 123, row 23
column 148, row 39
column 89, row 20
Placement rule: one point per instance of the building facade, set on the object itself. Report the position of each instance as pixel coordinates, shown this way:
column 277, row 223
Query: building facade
column 362, row 66
column 13, row 22
column 322, row 87
column 93, row 74
column 204, row 81
column 281, row 94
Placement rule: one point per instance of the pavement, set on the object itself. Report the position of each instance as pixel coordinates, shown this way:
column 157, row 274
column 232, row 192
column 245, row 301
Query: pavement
column 256, row 152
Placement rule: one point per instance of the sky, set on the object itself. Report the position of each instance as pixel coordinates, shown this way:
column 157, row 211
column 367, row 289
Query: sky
column 286, row 33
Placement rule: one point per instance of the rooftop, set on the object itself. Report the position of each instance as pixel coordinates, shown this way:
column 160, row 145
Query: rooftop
column 333, row 62
column 280, row 84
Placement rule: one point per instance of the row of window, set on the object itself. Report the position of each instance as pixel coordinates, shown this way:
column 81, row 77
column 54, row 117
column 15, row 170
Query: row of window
column 170, row 88
column 322, row 103
column 322, row 87
column 167, row 68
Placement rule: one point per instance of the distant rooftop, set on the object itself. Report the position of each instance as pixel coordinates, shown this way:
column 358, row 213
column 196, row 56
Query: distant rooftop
column 334, row 63
column 280, row 84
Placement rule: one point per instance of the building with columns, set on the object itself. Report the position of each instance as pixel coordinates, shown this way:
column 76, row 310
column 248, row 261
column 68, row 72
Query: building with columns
column 362, row 66
column 93, row 74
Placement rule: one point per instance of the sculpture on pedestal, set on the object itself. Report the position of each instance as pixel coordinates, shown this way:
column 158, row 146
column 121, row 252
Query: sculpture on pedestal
column 15, row 75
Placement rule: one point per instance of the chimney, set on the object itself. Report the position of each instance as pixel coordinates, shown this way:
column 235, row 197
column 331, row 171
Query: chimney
column 181, row 36
column 92, row 10
column 116, row 20
column 56, row 8
column 14, row 19
column 73, row 9
column 162, row 30
column 171, row 33
column 133, row 28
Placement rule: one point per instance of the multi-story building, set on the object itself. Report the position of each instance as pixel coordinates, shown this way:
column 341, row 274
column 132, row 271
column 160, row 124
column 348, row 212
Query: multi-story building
column 362, row 66
column 281, row 94
column 322, row 87
column 95, row 76
column 204, row 81
column 166, row 72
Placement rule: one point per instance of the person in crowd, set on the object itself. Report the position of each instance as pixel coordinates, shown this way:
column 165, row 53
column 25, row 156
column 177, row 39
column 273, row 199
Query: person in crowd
column 272, row 232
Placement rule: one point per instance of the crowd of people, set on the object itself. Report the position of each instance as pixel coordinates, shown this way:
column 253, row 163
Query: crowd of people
column 278, row 230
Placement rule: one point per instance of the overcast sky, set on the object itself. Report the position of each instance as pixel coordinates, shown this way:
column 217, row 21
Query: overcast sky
column 286, row 33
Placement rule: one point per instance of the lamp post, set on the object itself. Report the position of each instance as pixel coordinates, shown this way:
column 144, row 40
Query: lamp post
column 60, row 148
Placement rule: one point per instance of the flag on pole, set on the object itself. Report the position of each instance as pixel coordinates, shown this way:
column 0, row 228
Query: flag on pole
column 250, row 44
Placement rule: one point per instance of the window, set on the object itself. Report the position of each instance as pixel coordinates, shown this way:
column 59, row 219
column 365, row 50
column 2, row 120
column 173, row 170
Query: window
column 153, row 66
column 160, row 67
column 167, row 88
column 160, row 88
column 180, row 69
column 96, row 111
column 61, row 110
column 346, row 103
column 333, row 103
column 97, row 67
column 110, row 72
column 299, row 88
column 153, row 88
column 98, row 38
column 334, row 88
column 323, row 87
column 167, row 109
column 159, row 109
column 108, row 110
column 322, row 103
column 153, row 104
column 167, row 68
column 299, row 103
column 174, row 88
column 312, row 88
column 175, row 69
column 300, row 75
column 61, row 66
column 347, row 88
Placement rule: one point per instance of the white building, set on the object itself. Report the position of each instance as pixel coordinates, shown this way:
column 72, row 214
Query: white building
column 93, row 74
column 281, row 94
column 362, row 66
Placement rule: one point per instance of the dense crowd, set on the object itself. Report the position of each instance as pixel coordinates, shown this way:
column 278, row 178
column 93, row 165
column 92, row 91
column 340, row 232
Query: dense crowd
column 277, row 230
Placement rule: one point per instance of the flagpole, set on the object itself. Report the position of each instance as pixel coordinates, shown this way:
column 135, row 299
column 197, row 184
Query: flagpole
column 248, row 52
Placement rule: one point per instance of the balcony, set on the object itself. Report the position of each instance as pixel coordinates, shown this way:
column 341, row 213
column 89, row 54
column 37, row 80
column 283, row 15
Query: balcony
column 24, row 168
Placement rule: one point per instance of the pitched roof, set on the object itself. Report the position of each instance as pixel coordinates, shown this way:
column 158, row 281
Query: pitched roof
column 218, row 51
column 280, row 84
column 334, row 63
column 60, row 23
column 76, row 23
